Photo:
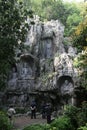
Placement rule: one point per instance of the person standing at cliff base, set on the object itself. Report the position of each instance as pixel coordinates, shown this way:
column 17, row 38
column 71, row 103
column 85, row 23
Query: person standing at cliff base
column 11, row 111
column 43, row 110
column 48, row 112
column 33, row 110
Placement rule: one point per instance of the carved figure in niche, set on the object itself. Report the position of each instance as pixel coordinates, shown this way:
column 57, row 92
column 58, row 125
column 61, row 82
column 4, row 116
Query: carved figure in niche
column 21, row 100
column 49, row 50
column 13, row 78
column 13, row 73
column 26, row 70
column 67, row 87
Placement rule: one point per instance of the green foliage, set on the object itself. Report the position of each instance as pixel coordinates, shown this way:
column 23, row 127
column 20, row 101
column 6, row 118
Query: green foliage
column 56, row 11
column 82, row 116
column 80, row 42
column 80, row 37
column 4, row 122
column 73, row 13
column 72, row 21
column 80, row 63
column 13, row 29
column 77, row 116
column 37, row 127
column 71, row 112
column 44, row 78
column 82, row 128
column 62, row 123
column 68, row 13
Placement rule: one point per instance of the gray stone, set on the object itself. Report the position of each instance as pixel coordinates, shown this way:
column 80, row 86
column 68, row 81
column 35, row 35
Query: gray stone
column 43, row 67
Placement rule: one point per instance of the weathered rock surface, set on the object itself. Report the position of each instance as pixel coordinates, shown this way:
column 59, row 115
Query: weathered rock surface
column 44, row 70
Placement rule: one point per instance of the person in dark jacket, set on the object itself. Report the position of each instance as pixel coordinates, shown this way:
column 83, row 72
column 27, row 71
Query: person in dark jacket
column 43, row 110
column 48, row 112
column 33, row 110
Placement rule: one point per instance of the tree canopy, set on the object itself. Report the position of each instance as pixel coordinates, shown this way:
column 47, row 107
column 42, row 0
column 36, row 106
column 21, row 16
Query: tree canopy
column 80, row 41
column 67, row 13
column 13, row 28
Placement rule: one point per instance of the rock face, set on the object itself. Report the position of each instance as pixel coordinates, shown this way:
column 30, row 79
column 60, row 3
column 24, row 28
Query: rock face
column 44, row 70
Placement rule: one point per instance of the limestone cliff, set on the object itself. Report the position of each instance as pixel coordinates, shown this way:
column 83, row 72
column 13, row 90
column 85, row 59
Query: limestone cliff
column 44, row 69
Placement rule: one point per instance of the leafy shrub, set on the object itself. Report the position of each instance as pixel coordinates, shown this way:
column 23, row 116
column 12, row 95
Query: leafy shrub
column 37, row 127
column 82, row 115
column 62, row 123
column 72, row 113
column 4, row 122
column 83, row 128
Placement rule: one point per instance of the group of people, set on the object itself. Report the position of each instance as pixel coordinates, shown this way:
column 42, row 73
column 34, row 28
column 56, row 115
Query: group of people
column 45, row 111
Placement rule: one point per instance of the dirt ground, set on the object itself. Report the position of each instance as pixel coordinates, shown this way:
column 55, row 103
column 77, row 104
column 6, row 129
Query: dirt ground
column 22, row 121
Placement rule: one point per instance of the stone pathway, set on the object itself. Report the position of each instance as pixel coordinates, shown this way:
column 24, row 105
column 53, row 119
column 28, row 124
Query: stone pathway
column 22, row 121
